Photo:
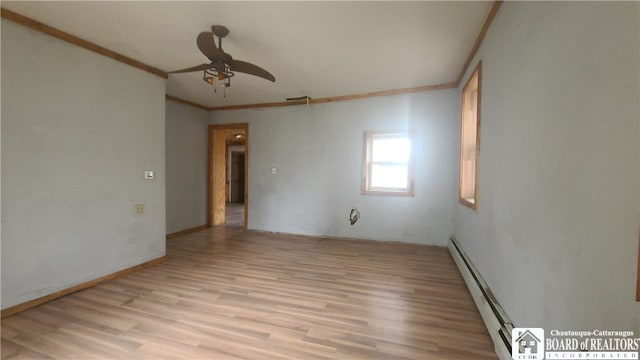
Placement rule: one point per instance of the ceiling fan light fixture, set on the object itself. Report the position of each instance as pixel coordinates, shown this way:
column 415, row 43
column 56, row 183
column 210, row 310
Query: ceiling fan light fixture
column 208, row 79
column 210, row 76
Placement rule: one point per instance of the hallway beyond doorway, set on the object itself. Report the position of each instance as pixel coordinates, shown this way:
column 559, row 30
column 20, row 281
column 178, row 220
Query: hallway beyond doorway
column 234, row 215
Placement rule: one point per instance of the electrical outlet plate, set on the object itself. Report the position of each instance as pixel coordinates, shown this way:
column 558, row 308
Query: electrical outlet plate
column 138, row 209
column 149, row 174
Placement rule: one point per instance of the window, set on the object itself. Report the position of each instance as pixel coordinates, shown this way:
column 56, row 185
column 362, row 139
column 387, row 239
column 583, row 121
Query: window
column 388, row 163
column 470, row 140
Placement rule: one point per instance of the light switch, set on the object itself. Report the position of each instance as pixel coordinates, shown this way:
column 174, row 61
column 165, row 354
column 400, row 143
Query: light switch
column 149, row 174
column 274, row 171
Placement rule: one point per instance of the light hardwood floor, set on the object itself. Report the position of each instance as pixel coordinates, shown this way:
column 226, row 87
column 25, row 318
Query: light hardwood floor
column 228, row 293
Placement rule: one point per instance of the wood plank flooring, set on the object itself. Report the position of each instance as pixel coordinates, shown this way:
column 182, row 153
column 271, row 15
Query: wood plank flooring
column 229, row 293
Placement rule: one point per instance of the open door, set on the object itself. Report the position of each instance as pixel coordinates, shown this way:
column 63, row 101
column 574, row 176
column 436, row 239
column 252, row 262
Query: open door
column 220, row 138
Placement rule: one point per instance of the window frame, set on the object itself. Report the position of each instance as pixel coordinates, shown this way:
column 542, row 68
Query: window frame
column 368, row 137
column 477, row 73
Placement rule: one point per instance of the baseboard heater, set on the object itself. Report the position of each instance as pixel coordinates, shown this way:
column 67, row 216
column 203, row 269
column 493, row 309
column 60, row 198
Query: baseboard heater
column 494, row 316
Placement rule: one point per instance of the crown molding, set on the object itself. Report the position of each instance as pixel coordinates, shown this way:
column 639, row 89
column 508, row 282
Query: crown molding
column 186, row 102
column 338, row 98
column 46, row 29
column 51, row 31
column 476, row 46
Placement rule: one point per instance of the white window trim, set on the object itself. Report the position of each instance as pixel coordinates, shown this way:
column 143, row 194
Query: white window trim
column 367, row 164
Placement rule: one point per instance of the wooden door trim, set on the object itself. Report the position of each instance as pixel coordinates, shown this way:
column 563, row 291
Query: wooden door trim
column 246, row 177
column 211, row 167
column 210, row 176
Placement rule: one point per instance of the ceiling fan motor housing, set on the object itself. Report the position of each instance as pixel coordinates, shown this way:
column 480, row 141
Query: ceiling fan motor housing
column 220, row 30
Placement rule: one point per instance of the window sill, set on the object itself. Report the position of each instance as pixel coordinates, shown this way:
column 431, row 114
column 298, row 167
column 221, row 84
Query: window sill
column 389, row 193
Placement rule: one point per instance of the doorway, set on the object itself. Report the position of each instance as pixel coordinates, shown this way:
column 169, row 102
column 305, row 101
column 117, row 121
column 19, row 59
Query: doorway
column 236, row 177
column 228, row 175
column 234, row 209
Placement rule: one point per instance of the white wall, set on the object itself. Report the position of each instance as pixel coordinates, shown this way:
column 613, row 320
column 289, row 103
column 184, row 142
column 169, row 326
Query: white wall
column 78, row 131
column 186, row 141
column 556, row 231
column 317, row 152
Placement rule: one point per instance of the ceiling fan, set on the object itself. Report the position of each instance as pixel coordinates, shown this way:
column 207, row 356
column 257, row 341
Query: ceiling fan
column 222, row 65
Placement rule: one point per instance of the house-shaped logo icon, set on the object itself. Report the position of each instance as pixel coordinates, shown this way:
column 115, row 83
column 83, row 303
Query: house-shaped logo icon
column 527, row 341
column 527, row 344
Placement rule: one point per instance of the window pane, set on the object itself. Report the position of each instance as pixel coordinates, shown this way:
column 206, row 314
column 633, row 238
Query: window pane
column 391, row 150
column 389, row 176
column 469, row 139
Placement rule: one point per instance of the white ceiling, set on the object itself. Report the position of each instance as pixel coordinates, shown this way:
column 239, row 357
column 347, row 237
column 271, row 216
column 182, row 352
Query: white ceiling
column 319, row 49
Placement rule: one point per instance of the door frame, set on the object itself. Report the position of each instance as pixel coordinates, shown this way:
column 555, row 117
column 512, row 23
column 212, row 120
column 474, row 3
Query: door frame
column 217, row 173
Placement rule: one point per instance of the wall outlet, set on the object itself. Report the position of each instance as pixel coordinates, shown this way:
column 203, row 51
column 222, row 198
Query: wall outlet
column 138, row 209
column 274, row 171
column 149, row 174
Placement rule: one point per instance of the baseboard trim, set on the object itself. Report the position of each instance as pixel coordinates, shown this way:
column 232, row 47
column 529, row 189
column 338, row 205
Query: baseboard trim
column 187, row 231
column 60, row 293
column 328, row 237
column 495, row 318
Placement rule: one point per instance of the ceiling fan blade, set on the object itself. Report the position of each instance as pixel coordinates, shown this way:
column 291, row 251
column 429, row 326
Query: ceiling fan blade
column 193, row 68
column 248, row 68
column 207, row 45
